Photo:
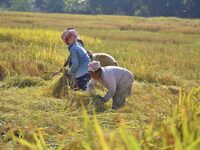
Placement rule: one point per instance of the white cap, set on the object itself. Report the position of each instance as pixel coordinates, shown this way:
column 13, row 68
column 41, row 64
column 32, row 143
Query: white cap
column 94, row 66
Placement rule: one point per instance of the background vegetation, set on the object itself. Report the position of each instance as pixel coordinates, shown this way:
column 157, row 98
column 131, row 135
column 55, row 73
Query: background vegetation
column 180, row 8
column 162, row 113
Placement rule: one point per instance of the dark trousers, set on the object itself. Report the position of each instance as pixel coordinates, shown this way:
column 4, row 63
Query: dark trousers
column 82, row 81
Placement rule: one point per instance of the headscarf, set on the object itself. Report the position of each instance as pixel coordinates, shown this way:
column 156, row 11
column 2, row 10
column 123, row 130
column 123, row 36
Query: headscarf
column 68, row 34
column 94, row 66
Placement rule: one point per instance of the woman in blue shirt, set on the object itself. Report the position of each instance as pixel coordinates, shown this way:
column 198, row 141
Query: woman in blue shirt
column 79, row 59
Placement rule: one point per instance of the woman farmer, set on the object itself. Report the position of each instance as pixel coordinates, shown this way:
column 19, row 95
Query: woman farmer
column 103, row 58
column 80, row 42
column 117, row 80
column 79, row 59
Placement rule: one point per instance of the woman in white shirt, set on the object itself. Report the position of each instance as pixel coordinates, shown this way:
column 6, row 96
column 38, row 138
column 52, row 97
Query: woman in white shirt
column 117, row 80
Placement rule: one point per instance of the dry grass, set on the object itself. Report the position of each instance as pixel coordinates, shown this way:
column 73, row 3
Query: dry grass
column 162, row 112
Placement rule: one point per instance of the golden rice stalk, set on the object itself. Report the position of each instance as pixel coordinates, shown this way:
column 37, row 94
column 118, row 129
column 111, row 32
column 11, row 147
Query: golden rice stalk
column 59, row 87
column 76, row 99
column 97, row 104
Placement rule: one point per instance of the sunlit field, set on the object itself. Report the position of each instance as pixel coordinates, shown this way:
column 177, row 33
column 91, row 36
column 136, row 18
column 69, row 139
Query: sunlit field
column 163, row 111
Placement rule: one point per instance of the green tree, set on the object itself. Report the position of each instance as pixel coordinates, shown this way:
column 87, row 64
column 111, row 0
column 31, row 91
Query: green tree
column 56, row 6
column 180, row 8
column 5, row 4
column 163, row 7
column 40, row 5
column 191, row 8
column 22, row 5
column 140, row 8
column 124, row 7
column 77, row 6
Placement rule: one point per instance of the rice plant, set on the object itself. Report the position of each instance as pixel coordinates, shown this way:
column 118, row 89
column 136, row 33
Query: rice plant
column 41, row 112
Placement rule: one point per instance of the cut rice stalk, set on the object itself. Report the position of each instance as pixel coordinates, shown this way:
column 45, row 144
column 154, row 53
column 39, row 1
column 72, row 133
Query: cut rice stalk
column 59, row 87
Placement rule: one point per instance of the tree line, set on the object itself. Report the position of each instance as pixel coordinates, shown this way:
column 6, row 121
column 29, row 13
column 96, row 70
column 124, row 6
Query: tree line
column 148, row 8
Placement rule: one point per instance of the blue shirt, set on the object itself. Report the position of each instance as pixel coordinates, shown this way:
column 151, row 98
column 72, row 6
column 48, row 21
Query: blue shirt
column 79, row 60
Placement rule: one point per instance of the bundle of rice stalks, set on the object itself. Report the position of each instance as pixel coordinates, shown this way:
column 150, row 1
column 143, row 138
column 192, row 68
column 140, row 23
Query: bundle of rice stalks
column 76, row 99
column 59, row 87
column 97, row 104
